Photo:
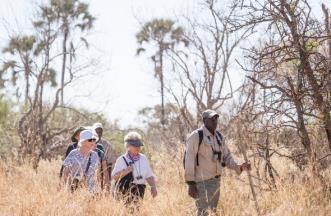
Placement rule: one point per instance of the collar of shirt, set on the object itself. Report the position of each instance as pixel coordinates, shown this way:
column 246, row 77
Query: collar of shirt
column 131, row 157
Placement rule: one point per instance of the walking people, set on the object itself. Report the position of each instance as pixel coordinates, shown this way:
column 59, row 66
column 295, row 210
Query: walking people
column 107, row 159
column 98, row 148
column 81, row 164
column 205, row 156
column 132, row 171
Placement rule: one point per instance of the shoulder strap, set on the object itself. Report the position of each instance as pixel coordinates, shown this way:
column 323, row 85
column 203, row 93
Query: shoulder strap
column 88, row 164
column 200, row 132
column 218, row 134
column 127, row 164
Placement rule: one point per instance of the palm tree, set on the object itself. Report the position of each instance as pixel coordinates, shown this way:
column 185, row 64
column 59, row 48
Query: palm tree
column 69, row 14
column 166, row 36
column 23, row 46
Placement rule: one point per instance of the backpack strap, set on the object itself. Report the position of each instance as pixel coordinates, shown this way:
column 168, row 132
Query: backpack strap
column 127, row 164
column 88, row 165
column 220, row 142
column 200, row 132
column 219, row 135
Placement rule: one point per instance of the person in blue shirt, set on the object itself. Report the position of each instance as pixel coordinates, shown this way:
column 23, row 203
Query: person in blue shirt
column 98, row 148
column 81, row 164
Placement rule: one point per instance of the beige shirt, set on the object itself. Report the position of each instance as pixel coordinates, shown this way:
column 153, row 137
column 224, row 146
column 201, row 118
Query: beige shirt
column 107, row 146
column 209, row 166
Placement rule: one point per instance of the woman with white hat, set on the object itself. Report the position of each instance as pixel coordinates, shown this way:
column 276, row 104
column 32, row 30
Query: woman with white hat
column 132, row 171
column 81, row 165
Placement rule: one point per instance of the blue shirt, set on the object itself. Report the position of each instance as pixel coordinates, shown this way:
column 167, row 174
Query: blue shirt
column 77, row 163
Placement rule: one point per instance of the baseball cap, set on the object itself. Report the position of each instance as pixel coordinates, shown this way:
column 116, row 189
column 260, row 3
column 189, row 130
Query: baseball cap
column 209, row 113
column 97, row 125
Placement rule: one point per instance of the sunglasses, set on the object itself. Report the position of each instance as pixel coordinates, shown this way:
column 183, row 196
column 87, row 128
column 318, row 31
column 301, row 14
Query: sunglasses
column 92, row 140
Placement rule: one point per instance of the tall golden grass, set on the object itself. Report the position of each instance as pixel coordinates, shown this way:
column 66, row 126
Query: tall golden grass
column 27, row 192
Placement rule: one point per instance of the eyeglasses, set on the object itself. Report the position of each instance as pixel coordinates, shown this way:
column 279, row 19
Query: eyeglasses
column 92, row 140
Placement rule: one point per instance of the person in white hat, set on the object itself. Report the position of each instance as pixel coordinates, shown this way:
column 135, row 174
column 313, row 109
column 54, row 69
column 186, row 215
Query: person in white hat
column 81, row 165
column 107, row 159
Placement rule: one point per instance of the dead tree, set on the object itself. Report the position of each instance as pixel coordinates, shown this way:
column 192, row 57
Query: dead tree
column 299, row 37
column 203, row 70
column 36, row 55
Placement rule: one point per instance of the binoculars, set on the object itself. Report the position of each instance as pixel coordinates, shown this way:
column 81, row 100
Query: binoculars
column 218, row 156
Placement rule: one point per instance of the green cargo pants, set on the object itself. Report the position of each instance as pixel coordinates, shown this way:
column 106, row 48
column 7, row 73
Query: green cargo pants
column 208, row 196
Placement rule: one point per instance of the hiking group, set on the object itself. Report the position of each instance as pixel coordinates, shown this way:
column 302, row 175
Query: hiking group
column 88, row 163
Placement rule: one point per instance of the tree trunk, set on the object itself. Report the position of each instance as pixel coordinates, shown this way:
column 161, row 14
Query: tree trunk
column 301, row 128
column 318, row 97
column 268, row 162
column 162, row 86
column 64, row 50
column 27, row 87
column 27, row 79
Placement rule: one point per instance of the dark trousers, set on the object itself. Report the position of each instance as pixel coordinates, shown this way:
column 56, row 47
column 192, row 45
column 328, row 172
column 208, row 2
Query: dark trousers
column 135, row 193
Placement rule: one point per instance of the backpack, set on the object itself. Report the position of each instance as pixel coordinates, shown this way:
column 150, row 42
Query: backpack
column 124, row 184
column 200, row 132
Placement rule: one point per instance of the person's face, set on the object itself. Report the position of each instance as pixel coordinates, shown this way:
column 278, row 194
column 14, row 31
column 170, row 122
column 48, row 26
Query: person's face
column 77, row 136
column 133, row 150
column 99, row 131
column 91, row 144
column 211, row 123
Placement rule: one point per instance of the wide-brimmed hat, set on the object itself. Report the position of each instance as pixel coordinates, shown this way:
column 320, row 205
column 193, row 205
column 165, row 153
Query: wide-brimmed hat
column 76, row 131
column 86, row 135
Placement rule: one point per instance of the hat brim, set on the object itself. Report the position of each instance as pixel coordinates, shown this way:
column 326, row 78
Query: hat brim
column 135, row 143
column 77, row 130
column 93, row 137
column 213, row 114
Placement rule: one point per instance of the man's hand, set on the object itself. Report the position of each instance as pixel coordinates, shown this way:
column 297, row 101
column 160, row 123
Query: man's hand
column 193, row 191
column 153, row 191
column 245, row 166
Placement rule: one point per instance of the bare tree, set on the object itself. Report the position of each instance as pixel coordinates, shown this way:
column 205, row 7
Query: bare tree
column 37, row 56
column 297, row 40
column 203, row 70
column 69, row 15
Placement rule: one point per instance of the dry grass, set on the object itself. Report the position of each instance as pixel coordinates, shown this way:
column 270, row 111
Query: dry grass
column 25, row 192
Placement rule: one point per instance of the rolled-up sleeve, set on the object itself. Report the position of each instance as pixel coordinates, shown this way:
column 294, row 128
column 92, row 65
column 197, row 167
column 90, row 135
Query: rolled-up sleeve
column 229, row 161
column 190, row 158
column 119, row 166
